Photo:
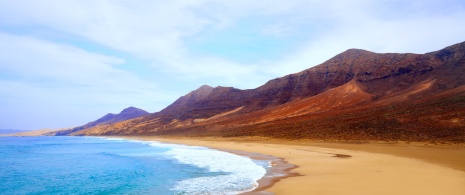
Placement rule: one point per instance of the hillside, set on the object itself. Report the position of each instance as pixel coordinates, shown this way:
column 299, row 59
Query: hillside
column 356, row 95
column 126, row 114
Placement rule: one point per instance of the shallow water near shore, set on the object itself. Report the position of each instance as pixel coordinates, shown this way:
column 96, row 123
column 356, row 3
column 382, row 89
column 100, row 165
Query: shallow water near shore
column 79, row 165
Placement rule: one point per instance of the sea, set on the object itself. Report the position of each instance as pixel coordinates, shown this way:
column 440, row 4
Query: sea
column 97, row 165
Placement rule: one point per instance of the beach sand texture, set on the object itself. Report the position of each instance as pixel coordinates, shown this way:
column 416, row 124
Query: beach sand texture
column 347, row 169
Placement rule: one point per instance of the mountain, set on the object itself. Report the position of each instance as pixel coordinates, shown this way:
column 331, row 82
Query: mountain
column 39, row 132
column 128, row 113
column 356, row 95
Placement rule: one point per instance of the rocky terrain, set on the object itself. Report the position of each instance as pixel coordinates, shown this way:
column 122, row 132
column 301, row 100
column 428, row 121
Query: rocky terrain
column 356, row 95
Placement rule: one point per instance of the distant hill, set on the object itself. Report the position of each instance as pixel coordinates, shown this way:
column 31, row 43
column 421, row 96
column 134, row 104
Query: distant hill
column 39, row 132
column 11, row 131
column 128, row 113
column 356, row 95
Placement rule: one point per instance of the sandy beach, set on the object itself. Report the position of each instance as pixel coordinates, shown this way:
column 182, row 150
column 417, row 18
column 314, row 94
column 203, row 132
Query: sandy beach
column 337, row 168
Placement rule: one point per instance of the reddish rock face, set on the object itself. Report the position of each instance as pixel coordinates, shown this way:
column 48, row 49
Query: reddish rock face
column 314, row 102
column 379, row 74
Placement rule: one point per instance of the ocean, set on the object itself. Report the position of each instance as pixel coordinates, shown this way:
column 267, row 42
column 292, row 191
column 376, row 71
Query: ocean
column 95, row 165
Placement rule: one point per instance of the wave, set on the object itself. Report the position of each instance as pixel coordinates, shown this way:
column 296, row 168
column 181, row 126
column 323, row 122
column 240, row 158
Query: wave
column 241, row 173
column 233, row 174
column 114, row 139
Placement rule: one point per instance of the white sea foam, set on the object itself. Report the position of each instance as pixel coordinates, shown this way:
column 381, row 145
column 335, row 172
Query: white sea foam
column 114, row 139
column 241, row 173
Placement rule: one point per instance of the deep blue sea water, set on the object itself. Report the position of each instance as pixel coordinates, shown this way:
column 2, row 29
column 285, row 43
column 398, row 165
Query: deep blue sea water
column 92, row 165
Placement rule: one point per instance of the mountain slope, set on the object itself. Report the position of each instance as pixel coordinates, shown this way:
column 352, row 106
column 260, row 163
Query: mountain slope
column 127, row 113
column 355, row 95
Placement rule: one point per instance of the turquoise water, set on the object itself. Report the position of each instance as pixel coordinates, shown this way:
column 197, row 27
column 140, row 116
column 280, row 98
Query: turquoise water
column 91, row 165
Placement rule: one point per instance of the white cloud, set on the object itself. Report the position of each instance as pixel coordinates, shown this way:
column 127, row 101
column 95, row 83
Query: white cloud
column 66, row 82
column 30, row 56
column 361, row 26
column 153, row 30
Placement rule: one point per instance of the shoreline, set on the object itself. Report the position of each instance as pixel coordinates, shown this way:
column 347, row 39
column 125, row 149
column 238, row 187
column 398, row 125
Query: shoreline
column 340, row 168
column 280, row 169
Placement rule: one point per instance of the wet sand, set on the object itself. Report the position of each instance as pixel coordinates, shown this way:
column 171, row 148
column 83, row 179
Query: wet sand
column 341, row 168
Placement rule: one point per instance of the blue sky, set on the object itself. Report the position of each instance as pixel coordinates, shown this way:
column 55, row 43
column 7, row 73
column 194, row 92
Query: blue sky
column 67, row 62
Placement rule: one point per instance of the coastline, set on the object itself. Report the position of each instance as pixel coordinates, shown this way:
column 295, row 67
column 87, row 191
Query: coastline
column 280, row 169
column 338, row 168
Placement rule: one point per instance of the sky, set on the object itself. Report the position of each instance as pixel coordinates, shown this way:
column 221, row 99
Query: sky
column 64, row 63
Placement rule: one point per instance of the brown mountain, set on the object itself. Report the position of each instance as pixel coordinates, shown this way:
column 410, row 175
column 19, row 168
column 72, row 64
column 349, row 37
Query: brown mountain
column 356, row 95
column 127, row 113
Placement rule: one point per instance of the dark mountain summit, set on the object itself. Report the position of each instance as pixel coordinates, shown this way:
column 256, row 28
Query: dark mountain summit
column 127, row 113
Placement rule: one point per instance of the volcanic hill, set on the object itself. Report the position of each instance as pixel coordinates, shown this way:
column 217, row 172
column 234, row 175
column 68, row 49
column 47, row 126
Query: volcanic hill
column 356, row 95
column 127, row 113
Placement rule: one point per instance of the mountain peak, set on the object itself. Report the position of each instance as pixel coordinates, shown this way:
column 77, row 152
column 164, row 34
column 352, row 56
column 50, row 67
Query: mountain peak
column 132, row 110
column 205, row 87
column 456, row 47
column 126, row 114
column 200, row 93
column 349, row 55
column 451, row 52
column 355, row 52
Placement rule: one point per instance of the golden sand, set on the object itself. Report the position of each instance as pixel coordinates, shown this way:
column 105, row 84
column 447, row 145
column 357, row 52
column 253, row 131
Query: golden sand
column 335, row 168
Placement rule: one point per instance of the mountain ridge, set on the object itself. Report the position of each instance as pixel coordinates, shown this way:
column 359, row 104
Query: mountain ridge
column 345, row 84
column 110, row 118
